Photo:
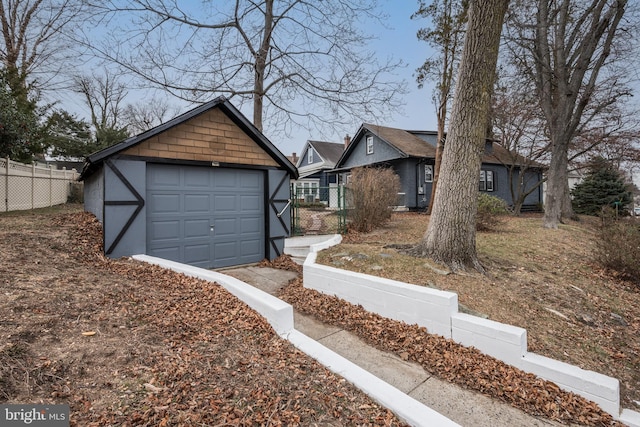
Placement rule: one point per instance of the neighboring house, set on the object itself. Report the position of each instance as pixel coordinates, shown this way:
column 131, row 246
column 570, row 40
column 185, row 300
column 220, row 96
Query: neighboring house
column 411, row 154
column 316, row 160
column 205, row 188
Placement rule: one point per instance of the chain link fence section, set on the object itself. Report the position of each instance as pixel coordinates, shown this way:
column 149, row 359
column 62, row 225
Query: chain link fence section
column 318, row 210
column 24, row 187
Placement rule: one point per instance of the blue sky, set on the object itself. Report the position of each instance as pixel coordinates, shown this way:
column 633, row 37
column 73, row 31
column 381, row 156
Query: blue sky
column 398, row 40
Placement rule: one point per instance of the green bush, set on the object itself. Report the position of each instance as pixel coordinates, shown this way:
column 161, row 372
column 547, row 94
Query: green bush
column 371, row 195
column 491, row 211
column 617, row 248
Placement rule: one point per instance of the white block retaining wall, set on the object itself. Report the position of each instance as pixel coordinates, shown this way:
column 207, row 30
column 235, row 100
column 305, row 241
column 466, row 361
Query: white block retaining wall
column 280, row 315
column 438, row 312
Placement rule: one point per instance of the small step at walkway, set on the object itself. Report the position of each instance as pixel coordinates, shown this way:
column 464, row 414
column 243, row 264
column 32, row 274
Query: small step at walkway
column 465, row 407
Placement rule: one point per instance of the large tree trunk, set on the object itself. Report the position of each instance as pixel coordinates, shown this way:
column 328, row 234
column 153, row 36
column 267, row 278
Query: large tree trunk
column 451, row 235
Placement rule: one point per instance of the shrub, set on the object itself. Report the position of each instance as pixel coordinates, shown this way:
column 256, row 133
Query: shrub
column 371, row 195
column 491, row 210
column 617, row 248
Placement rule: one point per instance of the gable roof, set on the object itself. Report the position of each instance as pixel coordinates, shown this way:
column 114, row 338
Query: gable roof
column 408, row 144
column 94, row 160
column 330, row 152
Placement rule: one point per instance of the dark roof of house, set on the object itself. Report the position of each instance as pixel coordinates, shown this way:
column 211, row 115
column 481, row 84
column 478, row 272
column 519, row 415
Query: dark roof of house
column 404, row 141
column 409, row 144
column 329, row 151
column 94, row 160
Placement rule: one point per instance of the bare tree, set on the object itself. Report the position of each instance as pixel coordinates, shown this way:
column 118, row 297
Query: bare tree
column 104, row 96
column 567, row 48
column 298, row 62
column 519, row 128
column 446, row 36
column 34, row 48
column 144, row 115
column 451, row 235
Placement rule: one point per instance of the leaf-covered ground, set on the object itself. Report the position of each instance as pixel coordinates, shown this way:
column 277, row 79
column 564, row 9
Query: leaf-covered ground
column 125, row 343
column 538, row 279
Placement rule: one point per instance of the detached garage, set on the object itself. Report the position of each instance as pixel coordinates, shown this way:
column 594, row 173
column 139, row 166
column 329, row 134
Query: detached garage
column 205, row 189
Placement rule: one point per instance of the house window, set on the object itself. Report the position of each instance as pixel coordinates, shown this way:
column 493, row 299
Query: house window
column 486, row 180
column 310, row 156
column 369, row 145
column 428, row 173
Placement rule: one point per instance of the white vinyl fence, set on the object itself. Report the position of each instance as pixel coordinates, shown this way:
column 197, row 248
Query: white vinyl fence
column 24, row 187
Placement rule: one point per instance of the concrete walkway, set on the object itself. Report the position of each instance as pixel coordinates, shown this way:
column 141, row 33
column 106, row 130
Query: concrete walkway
column 462, row 406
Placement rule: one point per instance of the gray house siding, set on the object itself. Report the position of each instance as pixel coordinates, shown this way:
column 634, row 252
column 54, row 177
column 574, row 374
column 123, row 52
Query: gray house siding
column 125, row 183
column 279, row 216
column 304, row 158
column 94, row 195
column 382, row 152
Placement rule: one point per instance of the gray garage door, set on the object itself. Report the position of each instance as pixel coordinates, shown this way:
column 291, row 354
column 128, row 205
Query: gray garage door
column 207, row 217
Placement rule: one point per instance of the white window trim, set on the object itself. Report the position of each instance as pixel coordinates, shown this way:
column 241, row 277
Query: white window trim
column 428, row 173
column 310, row 156
column 369, row 142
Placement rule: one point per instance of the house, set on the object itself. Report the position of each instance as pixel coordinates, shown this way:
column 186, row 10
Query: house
column 316, row 160
column 205, row 188
column 411, row 154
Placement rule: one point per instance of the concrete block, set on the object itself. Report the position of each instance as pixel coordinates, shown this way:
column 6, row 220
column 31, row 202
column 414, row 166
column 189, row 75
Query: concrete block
column 389, row 298
column 630, row 418
column 405, row 407
column 601, row 389
column 278, row 313
column 504, row 342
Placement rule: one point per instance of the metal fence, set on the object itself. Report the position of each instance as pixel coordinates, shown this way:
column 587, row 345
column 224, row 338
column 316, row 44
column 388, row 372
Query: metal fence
column 318, row 210
column 24, row 187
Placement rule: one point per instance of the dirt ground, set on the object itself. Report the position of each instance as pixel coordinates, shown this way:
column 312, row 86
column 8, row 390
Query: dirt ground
column 538, row 279
column 126, row 343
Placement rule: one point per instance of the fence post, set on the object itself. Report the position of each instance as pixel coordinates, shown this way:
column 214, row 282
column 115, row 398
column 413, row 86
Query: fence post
column 33, row 185
column 6, row 185
column 50, row 186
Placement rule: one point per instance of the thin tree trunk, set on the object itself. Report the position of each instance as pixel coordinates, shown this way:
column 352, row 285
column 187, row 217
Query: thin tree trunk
column 451, row 235
column 438, row 161
column 261, row 65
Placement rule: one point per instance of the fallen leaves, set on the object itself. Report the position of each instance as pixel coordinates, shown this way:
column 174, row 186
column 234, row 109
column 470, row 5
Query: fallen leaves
column 172, row 350
column 449, row 360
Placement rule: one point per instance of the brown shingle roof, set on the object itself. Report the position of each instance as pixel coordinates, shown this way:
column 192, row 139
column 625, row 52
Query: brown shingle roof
column 403, row 141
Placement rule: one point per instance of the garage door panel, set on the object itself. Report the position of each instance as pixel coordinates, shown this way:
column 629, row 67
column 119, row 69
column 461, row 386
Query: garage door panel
column 164, row 203
column 225, row 227
column 197, row 203
column 163, row 176
column 250, row 248
column 225, row 179
column 163, row 231
column 171, row 252
column 250, row 203
column 250, row 225
column 197, row 178
column 197, row 228
column 179, row 220
column 223, row 203
column 199, row 255
column 250, row 181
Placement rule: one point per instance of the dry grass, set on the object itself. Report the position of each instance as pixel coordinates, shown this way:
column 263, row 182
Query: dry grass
column 538, row 279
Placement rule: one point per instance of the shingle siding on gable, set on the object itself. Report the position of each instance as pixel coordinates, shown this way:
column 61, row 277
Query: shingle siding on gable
column 211, row 136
